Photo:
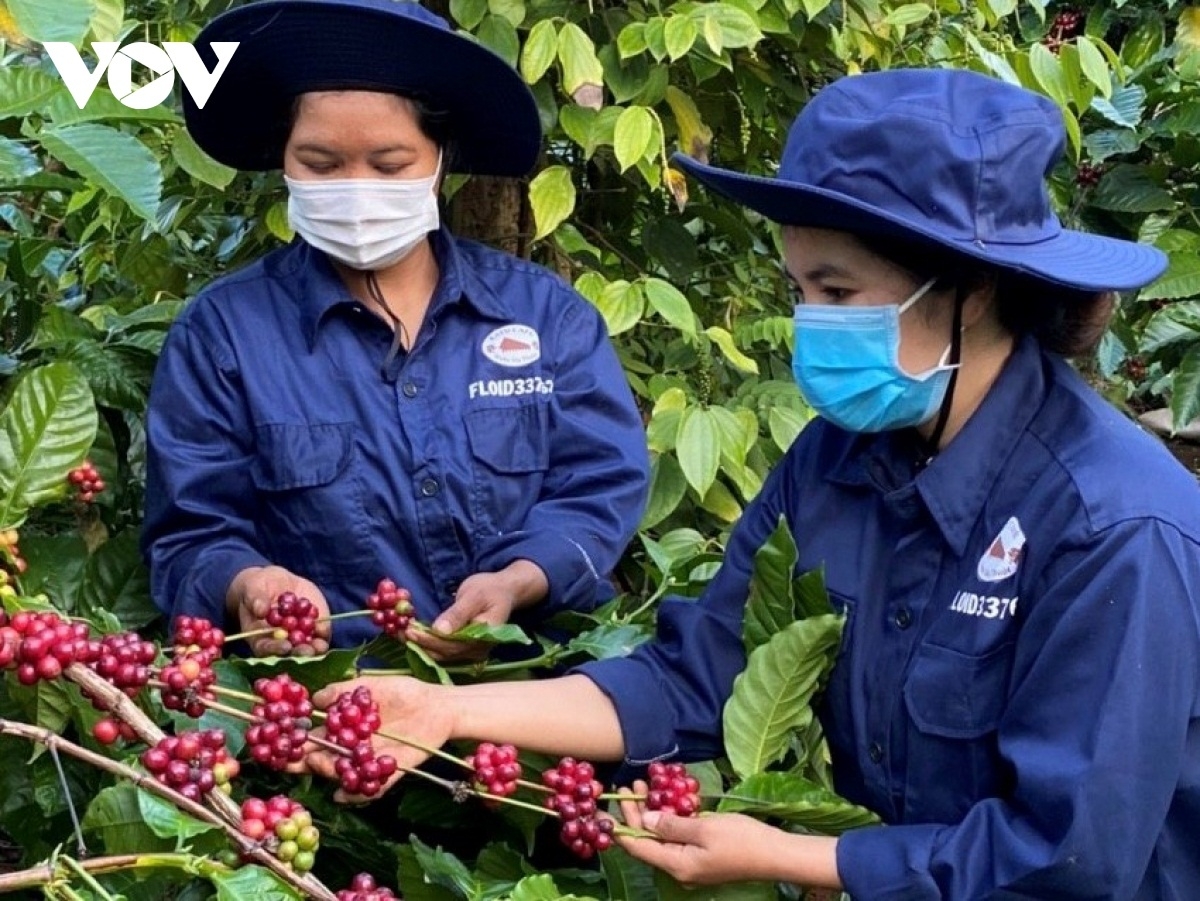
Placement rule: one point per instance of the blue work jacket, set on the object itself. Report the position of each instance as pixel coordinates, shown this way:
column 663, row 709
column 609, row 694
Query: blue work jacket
column 274, row 436
column 1018, row 688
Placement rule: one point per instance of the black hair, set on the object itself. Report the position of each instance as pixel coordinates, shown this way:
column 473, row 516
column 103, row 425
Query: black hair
column 433, row 121
column 1066, row 321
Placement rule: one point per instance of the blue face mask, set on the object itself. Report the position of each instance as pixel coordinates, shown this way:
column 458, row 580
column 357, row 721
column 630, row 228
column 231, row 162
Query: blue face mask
column 846, row 362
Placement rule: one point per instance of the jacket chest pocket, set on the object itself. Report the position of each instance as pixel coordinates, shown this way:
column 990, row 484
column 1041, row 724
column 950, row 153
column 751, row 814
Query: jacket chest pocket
column 955, row 702
column 510, row 456
column 311, row 511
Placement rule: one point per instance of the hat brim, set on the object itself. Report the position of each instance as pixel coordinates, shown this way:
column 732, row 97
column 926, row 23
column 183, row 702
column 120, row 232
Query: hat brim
column 1071, row 258
column 289, row 47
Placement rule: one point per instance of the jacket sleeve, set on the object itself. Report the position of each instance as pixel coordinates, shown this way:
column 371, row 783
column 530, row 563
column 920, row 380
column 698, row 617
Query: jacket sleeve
column 595, row 488
column 1101, row 721
column 198, row 531
column 669, row 694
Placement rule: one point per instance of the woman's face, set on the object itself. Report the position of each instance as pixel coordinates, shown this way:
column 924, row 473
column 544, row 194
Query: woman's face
column 357, row 134
column 831, row 267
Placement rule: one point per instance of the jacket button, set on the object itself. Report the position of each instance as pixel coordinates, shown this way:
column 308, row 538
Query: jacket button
column 875, row 752
column 429, row 487
column 409, row 389
column 903, row 618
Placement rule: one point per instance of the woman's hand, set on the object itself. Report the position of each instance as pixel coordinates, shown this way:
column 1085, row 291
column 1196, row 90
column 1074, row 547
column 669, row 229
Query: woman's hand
column 482, row 598
column 408, row 708
column 250, row 596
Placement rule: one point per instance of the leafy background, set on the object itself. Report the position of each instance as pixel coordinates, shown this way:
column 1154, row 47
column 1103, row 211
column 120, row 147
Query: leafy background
column 110, row 218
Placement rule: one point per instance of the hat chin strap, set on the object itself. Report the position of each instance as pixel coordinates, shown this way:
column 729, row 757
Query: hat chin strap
column 929, row 448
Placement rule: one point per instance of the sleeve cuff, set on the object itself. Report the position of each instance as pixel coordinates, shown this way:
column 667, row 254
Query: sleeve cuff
column 203, row 593
column 647, row 727
column 569, row 569
column 888, row 863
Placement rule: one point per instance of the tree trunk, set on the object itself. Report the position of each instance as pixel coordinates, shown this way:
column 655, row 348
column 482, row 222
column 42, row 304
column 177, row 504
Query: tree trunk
column 494, row 211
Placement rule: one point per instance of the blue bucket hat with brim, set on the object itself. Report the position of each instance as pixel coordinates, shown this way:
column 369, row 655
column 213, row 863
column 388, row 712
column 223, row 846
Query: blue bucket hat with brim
column 950, row 157
column 289, row 47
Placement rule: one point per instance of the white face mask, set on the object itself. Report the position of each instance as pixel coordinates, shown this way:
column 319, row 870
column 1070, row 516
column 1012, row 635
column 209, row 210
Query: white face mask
column 366, row 223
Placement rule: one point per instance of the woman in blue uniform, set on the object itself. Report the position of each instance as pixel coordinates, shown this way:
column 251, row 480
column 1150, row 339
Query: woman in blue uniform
column 381, row 398
column 1018, row 692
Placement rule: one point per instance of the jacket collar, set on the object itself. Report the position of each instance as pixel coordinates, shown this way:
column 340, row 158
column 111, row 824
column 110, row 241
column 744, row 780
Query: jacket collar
column 958, row 482
column 317, row 288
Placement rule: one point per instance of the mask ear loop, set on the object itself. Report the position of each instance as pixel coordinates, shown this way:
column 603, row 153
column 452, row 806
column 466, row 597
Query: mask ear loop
column 931, row 446
column 399, row 332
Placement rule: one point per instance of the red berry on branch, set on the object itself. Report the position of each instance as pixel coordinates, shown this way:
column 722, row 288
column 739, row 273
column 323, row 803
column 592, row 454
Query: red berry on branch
column 106, row 731
column 350, row 722
column 87, row 482
column 185, row 762
column 282, row 722
column 392, row 606
column 364, row 888
column 672, row 789
column 496, row 769
column 293, row 618
column 574, row 800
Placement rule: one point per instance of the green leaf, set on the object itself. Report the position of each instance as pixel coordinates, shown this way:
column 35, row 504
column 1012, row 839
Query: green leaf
column 254, row 882
column 784, row 424
column 315, row 672
column 1185, row 389
column 621, row 303
column 796, row 800
column 1111, row 142
column 1127, row 188
column 667, row 489
column 667, row 889
column 552, row 196
column 541, row 888
column 198, row 164
column 1174, row 323
column 1124, row 106
column 698, row 448
column 444, row 869
column 680, row 34
column 813, row 8
column 117, row 162
column 468, row 13
column 772, row 696
column 737, row 27
column 729, row 350
column 45, row 431
column 577, row 55
column 609, row 640
column 115, row 579
column 56, row 564
column 810, row 594
column 1141, row 44
column 669, row 302
column 505, row 633
column 16, row 160
column 62, row 20
column 908, row 14
column 102, row 105
column 106, row 21
column 1049, row 74
column 540, row 50
column 1182, row 279
column 633, row 136
column 627, row 878
column 168, row 821
column 1094, row 66
column 25, row 90
column 499, row 35
column 115, row 816
column 632, row 40
column 276, row 221
column 770, row 607
column 512, row 10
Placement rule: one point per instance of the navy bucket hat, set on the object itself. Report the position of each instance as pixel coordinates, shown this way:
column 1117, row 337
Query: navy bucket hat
column 288, row 47
column 949, row 157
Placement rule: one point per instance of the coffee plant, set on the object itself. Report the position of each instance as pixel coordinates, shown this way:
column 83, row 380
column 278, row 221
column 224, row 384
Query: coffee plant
column 112, row 781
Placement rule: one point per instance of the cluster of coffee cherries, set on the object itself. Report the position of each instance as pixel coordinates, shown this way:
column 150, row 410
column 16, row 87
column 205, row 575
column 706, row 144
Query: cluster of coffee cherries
column 392, row 606
column 350, row 722
column 672, row 789
column 281, row 722
column 126, row 661
column 87, row 482
column 285, row 828
column 41, row 645
column 1088, row 175
column 189, row 677
column 10, row 554
column 496, row 769
column 1065, row 26
column 192, row 763
column 364, row 888
column 576, row 791
column 293, row 618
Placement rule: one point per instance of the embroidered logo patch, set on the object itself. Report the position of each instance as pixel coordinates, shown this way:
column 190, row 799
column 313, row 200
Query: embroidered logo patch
column 1003, row 555
column 512, row 345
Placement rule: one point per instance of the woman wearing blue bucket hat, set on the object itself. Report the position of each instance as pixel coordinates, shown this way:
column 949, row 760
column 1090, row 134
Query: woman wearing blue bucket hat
column 380, row 398
column 1018, row 691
